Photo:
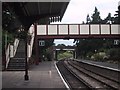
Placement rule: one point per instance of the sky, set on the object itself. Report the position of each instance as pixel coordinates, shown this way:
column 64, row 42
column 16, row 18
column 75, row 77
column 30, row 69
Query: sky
column 77, row 11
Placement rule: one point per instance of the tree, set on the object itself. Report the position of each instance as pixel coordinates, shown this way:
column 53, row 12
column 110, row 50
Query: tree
column 108, row 19
column 96, row 19
column 91, row 47
column 115, row 18
column 88, row 20
column 83, row 22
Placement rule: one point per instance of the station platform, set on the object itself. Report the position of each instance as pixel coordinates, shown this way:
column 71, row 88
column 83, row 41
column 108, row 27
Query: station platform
column 41, row 76
column 103, row 64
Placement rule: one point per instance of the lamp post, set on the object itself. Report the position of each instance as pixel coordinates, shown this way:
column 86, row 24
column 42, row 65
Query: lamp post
column 26, row 77
column 23, row 35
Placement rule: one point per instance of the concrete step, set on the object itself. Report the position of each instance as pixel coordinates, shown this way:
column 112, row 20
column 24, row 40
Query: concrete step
column 15, row 69
column 19, row 55
column 17, row 60
column 13, row 63
column 17, row 65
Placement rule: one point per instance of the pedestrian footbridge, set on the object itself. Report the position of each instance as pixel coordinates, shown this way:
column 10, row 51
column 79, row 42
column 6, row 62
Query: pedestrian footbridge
column 78, row 31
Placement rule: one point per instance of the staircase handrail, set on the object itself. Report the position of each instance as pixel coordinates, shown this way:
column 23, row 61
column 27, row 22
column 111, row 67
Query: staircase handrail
column 7, row 54
column 30, row 46
column 16, row 43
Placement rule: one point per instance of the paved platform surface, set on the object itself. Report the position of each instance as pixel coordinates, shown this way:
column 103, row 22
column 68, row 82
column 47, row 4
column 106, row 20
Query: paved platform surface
column 43, row 75
column 105, row 64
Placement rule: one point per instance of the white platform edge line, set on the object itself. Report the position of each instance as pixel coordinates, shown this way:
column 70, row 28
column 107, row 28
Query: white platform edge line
column 106, row 67
column 61, row 76
column 101, row 66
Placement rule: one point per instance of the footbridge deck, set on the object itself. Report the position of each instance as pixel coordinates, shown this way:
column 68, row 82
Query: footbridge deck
column 78, row 31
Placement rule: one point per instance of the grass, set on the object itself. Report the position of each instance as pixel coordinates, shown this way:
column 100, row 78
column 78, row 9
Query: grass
column 65, row 55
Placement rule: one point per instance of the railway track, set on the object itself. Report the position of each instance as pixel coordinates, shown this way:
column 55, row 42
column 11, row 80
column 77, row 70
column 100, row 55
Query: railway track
column 110, row 73
column 86, row 78
column 70, row 78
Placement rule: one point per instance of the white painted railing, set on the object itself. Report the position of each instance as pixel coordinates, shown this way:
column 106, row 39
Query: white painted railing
column 11, row 51
column 7, row 55
column 16, row 45
column 30, row 46
column 13, row 48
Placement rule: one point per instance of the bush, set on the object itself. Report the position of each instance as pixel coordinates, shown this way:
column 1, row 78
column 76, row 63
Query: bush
column 89, row 55
column 65, row 55
column 114, row 53
column 98, row 56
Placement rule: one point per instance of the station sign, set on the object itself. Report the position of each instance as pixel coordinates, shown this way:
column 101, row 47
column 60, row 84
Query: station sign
column 116, row 42
column 41, row 43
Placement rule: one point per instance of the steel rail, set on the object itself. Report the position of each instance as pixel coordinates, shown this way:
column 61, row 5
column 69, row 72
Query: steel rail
column 92, row 76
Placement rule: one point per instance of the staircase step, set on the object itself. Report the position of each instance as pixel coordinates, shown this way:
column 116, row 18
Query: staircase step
column 15, row 69
column 16, row 65
column 17, row 61
column 20, row 55
column 23, row 63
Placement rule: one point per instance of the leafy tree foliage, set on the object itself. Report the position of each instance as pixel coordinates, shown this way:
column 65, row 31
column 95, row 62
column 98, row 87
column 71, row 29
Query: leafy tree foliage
column 88, row 20
column 108, row 19
column 96, row 19
column 88, row 47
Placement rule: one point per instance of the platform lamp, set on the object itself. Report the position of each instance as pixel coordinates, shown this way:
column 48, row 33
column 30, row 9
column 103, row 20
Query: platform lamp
column 22, row 34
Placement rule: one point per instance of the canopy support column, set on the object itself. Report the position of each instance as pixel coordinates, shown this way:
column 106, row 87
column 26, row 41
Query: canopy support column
column 36, row 45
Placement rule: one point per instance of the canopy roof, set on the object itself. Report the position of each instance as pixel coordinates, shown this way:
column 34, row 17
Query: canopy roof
column 42, row 12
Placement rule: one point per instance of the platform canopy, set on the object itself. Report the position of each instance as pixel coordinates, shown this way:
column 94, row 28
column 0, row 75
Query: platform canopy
column 29, row 12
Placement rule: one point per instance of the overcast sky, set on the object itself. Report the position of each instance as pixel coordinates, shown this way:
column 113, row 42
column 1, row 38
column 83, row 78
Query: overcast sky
column 77, row 11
